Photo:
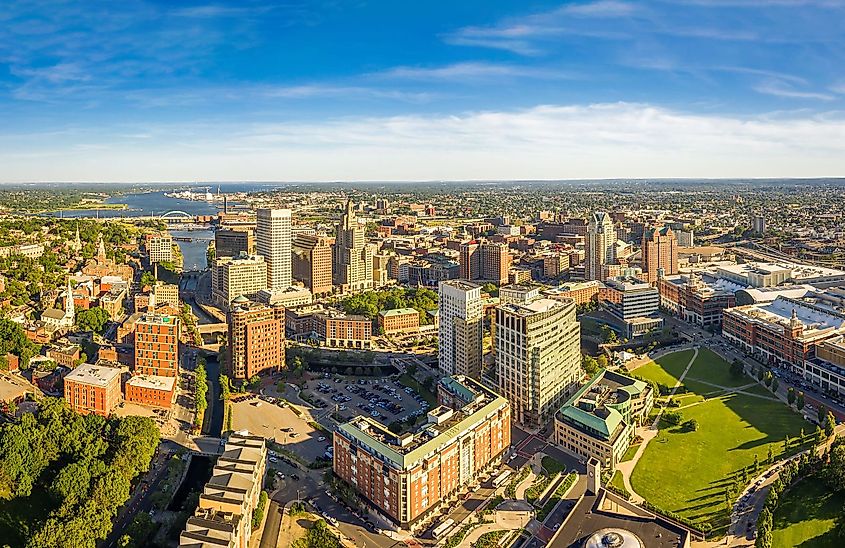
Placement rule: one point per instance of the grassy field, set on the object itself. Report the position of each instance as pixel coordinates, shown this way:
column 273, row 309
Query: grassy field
column 807, row 516
column 666, row 369
column 617, row 482
column 688, row 472
column 629, row 454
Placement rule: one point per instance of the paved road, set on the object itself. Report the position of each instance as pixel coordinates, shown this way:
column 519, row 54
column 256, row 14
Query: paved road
column 141, row 499
column 270, row 535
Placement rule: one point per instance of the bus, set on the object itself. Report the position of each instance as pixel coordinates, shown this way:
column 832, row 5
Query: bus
column 501, row 478
column 443, row 529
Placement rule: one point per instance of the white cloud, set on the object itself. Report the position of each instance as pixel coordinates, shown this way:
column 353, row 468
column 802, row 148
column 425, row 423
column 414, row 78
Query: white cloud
column 474, row 71
column 779, row 89
column 618, row 140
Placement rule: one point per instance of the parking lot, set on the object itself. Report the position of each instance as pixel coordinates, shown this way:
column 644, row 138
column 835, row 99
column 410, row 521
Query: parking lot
column 264, row 416
column 385, row 400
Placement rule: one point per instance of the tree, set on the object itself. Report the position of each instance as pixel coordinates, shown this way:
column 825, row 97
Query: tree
column 829, row 425
column 768, row 378
column 790, row 395
column 834, row 473
column 602, row 361
column 822, row 414
column 609, row 335
column 589, row 364
column 690, row 425
column 737, row 369
column 94, row 319
column 395, row 427
column 775, row 384
column 673, row 418
column 799, row 402
column 771, row 456
column 148, row 279
column 756, row 464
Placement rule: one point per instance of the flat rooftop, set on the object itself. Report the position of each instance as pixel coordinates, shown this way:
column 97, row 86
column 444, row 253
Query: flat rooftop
column 94, row 375
column 780, row 311
column 537, row 306
column 152, row 382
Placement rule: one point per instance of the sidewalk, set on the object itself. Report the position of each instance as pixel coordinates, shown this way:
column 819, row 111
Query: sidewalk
column 627, row 468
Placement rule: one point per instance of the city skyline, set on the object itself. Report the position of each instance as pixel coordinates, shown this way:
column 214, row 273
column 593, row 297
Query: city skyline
column 535, row 90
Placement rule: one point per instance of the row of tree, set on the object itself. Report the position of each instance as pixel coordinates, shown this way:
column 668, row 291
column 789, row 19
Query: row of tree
column 370, row 303
column 200, row 392
column 85, row 463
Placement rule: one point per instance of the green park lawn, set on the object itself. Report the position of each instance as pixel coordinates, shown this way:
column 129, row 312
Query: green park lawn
column 687, row 472
column 666, row 369
column 807, row 516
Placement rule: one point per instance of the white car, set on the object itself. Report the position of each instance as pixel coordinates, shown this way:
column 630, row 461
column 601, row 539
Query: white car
column 274, row 459
column 321, row 438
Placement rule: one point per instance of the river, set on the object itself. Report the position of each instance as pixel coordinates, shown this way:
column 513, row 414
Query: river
column 156, row 203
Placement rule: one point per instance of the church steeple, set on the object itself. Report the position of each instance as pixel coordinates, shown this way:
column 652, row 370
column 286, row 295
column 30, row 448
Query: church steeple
column 101, row 248
column 69, row 306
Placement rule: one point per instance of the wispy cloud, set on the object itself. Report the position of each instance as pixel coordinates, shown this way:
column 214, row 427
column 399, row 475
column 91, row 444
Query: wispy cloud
column 544, row 142
column 780, row 89
column 473, row 71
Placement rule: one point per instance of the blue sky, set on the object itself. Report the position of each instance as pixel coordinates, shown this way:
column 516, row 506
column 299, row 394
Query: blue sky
column 386, row 90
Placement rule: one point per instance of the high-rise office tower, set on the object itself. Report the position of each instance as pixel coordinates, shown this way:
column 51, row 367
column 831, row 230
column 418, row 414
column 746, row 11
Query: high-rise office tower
column 273, row 241
column 233, row 242
column 352, row 259
column 538, row 357
column 460, row 316
column 758, row 224
column 312, row 262
column 660, row 253
column 599, row 249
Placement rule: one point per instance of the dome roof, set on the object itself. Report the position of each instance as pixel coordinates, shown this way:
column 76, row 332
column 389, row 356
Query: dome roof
column 240, row 300
column 614, row 538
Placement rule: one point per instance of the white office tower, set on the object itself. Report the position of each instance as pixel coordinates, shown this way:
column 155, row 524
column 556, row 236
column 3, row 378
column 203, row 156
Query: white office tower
column 273, row 242
column 538, row 357
column 599, row 249
column 460, row 316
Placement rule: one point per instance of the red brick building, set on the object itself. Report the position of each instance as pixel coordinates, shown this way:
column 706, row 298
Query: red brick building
column 93, row 389
column 410, row 477
column 256, row 338
column 785, row 330
column 660, row 253
column 149, row 390
column 344, row 331
column 399, row 320
column 157, row 345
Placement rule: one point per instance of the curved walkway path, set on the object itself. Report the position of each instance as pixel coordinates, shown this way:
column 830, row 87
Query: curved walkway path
column 473, row 536
column 626, row 468
column 536, row 470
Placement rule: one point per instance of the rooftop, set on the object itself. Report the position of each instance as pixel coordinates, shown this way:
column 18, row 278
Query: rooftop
column 95, row 375
column 397, row 312
column 443, row 426
column 535, row 307
column 605, row 511
column 152, row 382
column 782, row 310
column 592, row 408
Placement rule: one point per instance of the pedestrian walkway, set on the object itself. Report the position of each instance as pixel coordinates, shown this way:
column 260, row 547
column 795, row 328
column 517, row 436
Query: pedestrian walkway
column 648, row 434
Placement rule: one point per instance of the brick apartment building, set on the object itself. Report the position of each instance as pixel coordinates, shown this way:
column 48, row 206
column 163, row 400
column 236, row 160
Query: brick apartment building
column 408, row 477
column 157, row 345
column 256, row 338
column 93, row 389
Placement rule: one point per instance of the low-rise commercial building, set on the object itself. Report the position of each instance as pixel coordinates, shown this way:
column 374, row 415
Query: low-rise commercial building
column 93, row 389
column 344, row 330
column 151, row 390
column 634, row 304
column 784, row 331
column 399, row 321
column 600, row 419
column 697, row 298
column 408, row 477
